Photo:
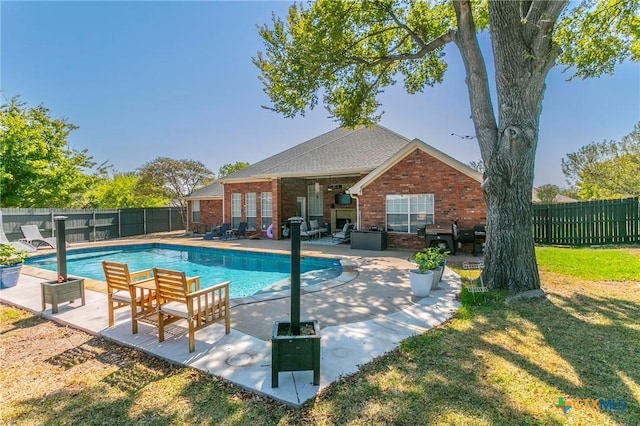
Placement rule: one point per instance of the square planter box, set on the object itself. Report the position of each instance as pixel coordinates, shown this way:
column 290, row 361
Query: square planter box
column 54, row 292
column 295, row 353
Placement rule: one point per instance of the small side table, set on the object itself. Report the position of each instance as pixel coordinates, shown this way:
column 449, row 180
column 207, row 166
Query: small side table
column 54, row 292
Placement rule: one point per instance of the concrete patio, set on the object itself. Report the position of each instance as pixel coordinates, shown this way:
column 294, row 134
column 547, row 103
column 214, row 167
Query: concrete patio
column 363, row 314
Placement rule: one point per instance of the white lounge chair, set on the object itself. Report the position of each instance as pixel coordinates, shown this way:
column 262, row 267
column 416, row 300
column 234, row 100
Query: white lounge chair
column 19, row 245
column 33, row 236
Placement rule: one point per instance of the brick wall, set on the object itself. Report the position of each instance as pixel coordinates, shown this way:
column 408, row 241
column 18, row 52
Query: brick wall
column 456, row 196
column 210, row 215
column 243, row 188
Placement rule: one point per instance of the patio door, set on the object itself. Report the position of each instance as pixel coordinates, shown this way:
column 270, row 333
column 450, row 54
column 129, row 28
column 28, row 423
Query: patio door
column 301, row 207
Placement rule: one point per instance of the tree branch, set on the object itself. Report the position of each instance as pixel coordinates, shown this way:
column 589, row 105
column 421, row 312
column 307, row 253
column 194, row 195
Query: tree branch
column 541, row 44
column 426, row 48
column 477, row 80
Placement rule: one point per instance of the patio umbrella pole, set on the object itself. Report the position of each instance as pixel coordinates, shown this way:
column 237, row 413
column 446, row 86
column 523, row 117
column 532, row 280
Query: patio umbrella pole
column 61, row 251
column 295, row 274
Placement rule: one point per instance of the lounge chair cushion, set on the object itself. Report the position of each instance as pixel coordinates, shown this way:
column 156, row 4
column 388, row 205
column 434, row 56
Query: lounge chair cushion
column 179, row 309
column 124, row 296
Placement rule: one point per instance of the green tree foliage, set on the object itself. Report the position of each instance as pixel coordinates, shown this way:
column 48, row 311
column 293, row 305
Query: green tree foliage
column 344, row 53
column 37, row 167
column 123, row 191
column 605, row 170
column 547, row 193
column 173, row 179
column 229, row 168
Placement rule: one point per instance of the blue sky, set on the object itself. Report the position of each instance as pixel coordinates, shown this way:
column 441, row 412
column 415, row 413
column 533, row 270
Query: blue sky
column 174, row 79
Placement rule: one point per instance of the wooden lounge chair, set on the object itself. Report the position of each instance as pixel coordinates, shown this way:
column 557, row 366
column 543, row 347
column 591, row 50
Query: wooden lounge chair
column 33, row 236
column 122, row 291
column 180, row 297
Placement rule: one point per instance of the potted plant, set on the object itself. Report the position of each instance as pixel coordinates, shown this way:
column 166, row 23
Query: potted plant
column 427, row 261
column 11, row 261
column 439, row 271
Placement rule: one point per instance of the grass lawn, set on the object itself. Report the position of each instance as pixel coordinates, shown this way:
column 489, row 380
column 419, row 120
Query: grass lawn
column 492, row 364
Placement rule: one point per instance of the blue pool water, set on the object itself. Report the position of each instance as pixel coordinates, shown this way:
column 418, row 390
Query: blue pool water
column 248, row 272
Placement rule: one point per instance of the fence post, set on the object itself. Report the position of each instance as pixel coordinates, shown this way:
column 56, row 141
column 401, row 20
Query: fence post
column 547, row 224
column 169, row 219
column 144, row 220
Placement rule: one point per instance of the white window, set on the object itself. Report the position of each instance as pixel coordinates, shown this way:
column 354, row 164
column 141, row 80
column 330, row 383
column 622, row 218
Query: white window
column 265, row 210
column 250, row 199
column 408, row 213
column 195, row 211
column 236, row 210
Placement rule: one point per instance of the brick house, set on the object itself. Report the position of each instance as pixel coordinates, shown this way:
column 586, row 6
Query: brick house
column 371, row 176
column 204, row 208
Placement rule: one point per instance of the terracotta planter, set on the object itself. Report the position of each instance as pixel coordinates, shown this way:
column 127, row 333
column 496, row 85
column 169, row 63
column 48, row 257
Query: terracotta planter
column 9, row 275
column 420, row 282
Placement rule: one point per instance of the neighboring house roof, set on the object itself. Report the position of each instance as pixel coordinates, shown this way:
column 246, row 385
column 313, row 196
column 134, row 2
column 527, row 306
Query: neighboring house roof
column 409, row 148
column 558, row 199
column 338, row 152
column 215, row 190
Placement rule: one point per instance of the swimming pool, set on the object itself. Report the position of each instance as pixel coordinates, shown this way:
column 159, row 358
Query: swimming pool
column 248, row 272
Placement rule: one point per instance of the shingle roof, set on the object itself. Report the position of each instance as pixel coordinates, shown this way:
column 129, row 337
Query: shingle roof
column 340, row 151
column 214, row 190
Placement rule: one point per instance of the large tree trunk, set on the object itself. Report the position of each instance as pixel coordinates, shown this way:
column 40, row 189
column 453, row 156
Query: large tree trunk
column 509, row 251
column 523, row 53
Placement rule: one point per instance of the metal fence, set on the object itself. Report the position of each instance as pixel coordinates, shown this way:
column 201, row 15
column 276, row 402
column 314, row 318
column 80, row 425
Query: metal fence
column 94, row 224
column 587, row 223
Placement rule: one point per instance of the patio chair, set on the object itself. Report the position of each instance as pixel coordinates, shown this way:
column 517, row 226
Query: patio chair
column 180, row 297
column 33, row 236
column 344, row 235
column 307, row 233
column 315, row 226
column 217, row 232
column 241, row 232
column 475, row 285
column 122, row 292
column 18, row 245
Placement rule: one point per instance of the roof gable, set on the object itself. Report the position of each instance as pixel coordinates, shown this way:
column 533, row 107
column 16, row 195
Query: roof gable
column 340, row 151
column 402, row 153
column 215, row 190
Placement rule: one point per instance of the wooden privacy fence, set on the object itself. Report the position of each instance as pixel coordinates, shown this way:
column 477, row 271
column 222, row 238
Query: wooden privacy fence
column 588, row 223
column 94, row 224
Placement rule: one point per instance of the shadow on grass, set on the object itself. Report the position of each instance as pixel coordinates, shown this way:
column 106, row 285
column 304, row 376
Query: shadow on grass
column 492, row 364
column 135, row 388
column 503, row 364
